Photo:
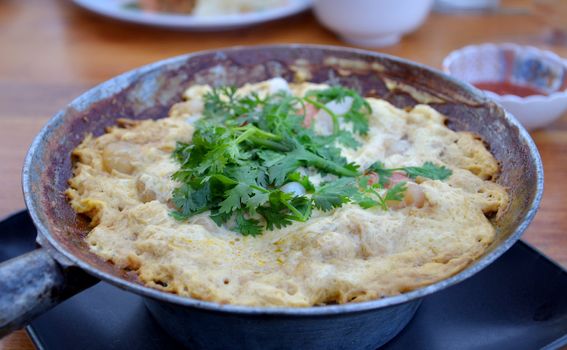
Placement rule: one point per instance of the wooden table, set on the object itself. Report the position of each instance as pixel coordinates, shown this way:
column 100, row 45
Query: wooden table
column 51, row 51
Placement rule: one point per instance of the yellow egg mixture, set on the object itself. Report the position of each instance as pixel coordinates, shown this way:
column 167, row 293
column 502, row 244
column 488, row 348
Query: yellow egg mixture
column 122, row 180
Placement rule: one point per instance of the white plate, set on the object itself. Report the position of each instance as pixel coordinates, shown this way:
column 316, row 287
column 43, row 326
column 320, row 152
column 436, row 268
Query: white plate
column 117, row 9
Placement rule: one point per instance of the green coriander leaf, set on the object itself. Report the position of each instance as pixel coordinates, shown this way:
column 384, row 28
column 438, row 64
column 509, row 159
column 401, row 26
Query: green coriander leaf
column 275, row 219
column 183, row 175
column 396, row 192
column 189, row 200
column 358, row 112
column 358, row 115
column 303, row 180
column 364, row 182
column 334, row 194
column 247, row 226
column 270, row 158
column 246, row 173
column 219, row 102
column 333, row 93
column 364, row 200
column 301, row 208
column 256, row 200
column 178, row 216
column 277, row 214
column 347, row 139
column 383, row 173
column 214, row 162
column 329, row 152
column 279, row 171
column 220, row 218
column 326, row 165
column 235, row 197
column 182, row 152
column 428, row 170
column 301, row 156
column 221, row 178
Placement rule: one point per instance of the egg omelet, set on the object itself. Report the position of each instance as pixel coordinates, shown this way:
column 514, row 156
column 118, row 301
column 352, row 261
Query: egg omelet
column 122, row 182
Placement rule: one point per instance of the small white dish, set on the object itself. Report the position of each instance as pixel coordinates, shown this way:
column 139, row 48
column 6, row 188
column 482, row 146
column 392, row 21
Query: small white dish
column 119, row 9
column 372, row 23
column 522, row 66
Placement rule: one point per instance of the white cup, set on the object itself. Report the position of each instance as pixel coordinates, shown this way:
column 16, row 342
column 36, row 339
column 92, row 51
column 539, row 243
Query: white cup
column 372, row 23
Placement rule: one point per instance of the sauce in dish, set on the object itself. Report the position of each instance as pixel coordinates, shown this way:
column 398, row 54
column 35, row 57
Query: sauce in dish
column 507, row 88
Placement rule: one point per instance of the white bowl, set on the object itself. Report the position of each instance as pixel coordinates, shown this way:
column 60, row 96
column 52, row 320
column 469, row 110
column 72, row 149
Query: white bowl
column 372, row 23
column 520, row 65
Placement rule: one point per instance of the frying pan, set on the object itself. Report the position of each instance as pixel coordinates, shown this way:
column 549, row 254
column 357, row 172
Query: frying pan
column 32, row 283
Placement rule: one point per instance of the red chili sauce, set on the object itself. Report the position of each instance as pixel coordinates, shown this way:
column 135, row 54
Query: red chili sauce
column 506, row 88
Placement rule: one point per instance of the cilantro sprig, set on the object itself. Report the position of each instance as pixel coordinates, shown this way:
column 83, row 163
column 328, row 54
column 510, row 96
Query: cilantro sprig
column 357, row 113
column 246, row 148
column 427, row 170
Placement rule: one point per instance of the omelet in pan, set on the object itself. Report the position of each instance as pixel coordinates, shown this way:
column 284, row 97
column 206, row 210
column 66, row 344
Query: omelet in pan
column 280, row 194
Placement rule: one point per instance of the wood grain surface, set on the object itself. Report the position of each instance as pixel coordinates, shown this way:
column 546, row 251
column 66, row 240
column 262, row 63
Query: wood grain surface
column 51, row 51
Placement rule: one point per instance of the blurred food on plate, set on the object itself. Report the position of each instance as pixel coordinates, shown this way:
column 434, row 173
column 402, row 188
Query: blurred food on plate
column 210, row 7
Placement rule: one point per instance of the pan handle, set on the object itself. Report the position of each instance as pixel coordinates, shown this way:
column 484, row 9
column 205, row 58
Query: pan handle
column 31, row 284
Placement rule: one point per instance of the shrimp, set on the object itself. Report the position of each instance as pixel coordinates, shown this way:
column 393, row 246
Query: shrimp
column 413, row 196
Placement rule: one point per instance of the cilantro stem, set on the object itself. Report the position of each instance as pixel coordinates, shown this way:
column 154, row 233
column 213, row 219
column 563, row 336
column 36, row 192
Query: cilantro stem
column 260, row 137
column 276, row 146
column 381, row 200
column 251, row 130
column 298, row 216
column 222, row 178
column 336, row 126
column 329, row 166
column 260, row 189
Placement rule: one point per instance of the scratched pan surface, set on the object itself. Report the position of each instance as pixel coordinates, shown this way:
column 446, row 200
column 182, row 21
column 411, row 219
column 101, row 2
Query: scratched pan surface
column 150, row 91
